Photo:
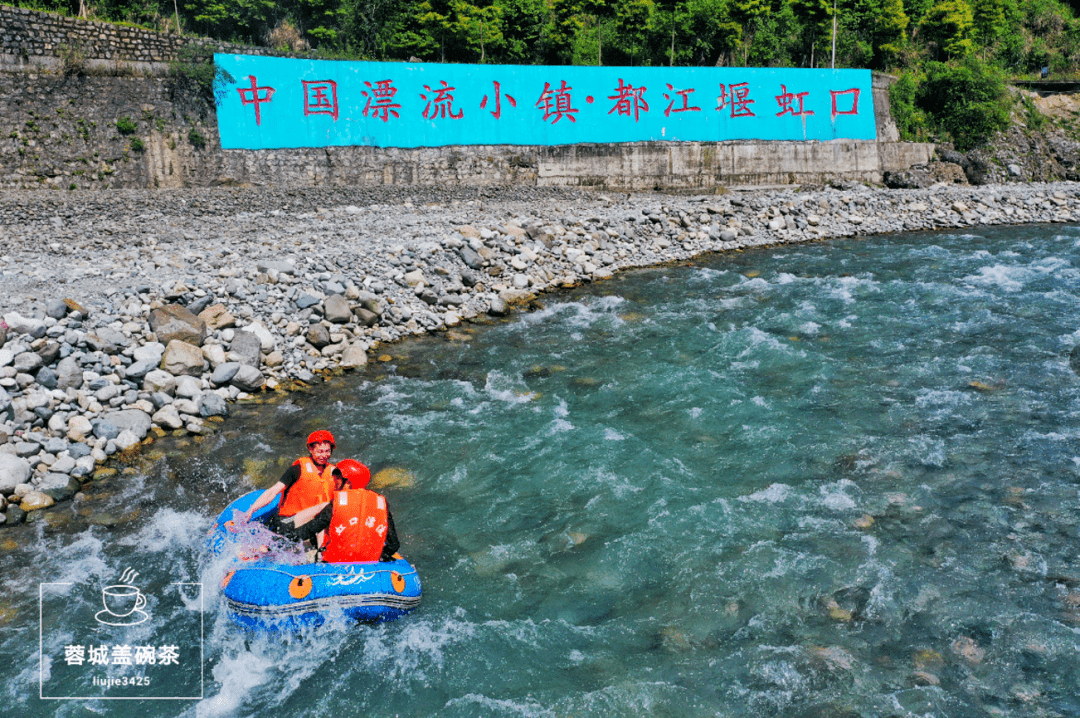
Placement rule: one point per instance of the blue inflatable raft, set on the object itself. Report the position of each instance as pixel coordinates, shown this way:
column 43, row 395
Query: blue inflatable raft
column 264, row 594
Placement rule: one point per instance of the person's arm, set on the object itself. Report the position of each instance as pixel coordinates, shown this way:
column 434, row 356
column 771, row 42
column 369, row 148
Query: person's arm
column 309, row 523
column 392, row 544
column 287, row 479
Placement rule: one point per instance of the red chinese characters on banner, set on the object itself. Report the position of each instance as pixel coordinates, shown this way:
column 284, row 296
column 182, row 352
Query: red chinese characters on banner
column 685, row 95
column 497, row 112
column 786, row 100
column 557, row 104
column 251, row 96
column 380, row 103
column 442, row 104
column 853, row 93
column 320, row 98
column 737, row 97
column 629, row 99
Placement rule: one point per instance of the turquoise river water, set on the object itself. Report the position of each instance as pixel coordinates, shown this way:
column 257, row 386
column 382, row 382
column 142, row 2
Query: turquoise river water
column 837, row 479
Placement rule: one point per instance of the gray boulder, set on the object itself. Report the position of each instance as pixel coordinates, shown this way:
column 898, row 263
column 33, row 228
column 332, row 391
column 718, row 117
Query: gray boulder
column 139, row 369
column 68, row 374
column 107, row 340
column 14, row 470
column 47, row 377
column 248, row 346
column 248, row 378
column 159, row 381
column 317, row 336
column 105, row 429
column 224, row 372
column 134, row 420
column 337, row 309
column 212, row 404
column 471, row 258
column 27, row 362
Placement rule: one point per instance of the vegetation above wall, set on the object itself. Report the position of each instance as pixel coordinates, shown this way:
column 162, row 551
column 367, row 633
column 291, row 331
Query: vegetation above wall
column 952, row 56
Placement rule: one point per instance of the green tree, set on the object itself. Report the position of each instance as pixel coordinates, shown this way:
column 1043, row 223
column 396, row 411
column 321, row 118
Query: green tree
column 475, row 27
column 949, row 25
column 567, row 20
column 633, row 20
column 750, row 16
column 814, row 15
column 522, row 30
column 966, row 101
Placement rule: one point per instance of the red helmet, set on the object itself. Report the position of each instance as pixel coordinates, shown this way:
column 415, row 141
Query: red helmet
column 320, row 436
column 355, row 473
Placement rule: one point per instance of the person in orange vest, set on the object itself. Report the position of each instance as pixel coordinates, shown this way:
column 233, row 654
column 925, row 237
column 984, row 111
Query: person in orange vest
column 355, row 525
column 309, row 481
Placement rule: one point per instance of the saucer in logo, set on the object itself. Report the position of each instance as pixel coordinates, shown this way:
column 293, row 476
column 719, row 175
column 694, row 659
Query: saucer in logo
column 123, row 603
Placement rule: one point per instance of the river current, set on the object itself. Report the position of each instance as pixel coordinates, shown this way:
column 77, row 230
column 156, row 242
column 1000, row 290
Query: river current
column 837, row 479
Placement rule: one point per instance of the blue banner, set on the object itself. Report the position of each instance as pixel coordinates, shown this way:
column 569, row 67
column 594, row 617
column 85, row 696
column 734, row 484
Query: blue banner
column 272, row 102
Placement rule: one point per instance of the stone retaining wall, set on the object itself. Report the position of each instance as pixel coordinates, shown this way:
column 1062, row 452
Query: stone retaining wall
column 59, row 129
column 29, row 38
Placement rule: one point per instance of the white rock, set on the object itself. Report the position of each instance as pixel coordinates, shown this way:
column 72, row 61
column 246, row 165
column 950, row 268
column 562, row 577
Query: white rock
column 214, row 353
column 14, row 470
column 159, row 380
column 186, row 406
column 168, row 417
column 188, row 387
column 152, row 351
column 78, row 428
column 266, row 338
column 63, row 465
column 126, row 440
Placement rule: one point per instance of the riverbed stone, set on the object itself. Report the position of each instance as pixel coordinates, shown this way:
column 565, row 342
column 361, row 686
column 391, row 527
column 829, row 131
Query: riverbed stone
column 79, row 427
column 354, row 356
column 267, row 342
column 224, row 373
column 216, row 317
column 168, row 417
column 14, row 470
column 138, row 370
column 107, row 340
column 337, row 310
column 188, row 387
column 68, row 374
column 134, row 420
column 126, row 439
column 248, row 378
column 36, row 500
column 247, row 347
column 159, row 381
column 182, row 358
column 151, row 351
column 212, row 404
column 317, row 336
column 174, row 322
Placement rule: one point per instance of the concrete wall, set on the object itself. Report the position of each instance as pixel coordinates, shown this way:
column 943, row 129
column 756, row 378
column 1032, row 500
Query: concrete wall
column 58, row 129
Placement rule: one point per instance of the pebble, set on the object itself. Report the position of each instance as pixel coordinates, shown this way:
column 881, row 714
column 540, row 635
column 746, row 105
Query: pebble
column 152, row 310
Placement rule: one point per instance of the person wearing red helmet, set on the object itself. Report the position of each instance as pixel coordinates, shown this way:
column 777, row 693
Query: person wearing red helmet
column 309, row 481
column 355, row 525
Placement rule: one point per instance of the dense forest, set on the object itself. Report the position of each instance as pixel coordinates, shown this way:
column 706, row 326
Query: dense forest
column 951, row 54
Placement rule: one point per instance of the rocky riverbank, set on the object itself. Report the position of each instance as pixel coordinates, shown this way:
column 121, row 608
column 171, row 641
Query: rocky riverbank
column 131, row 314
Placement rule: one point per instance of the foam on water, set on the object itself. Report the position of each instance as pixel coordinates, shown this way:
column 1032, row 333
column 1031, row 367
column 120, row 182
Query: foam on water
column 682, row 492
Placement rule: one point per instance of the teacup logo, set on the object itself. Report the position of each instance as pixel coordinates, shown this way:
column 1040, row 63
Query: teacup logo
column 123, row 603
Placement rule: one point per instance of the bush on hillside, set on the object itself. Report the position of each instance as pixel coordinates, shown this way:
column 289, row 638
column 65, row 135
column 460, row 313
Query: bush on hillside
column 966, row 102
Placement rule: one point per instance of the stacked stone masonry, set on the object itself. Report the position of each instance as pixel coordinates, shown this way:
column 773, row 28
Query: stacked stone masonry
column 29, row 37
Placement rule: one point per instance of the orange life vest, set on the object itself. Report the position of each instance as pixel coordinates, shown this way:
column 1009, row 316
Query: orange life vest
column 310, row 489
column 357, row 528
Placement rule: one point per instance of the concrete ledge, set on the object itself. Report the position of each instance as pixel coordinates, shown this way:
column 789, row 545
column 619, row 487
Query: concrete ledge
column 670, row 166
